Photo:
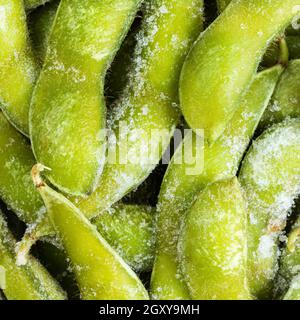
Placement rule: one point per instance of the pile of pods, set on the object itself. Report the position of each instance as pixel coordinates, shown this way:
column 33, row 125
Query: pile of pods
column 75, row 224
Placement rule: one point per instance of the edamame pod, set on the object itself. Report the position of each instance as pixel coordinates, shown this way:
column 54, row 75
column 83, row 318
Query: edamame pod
column 16, row 161
column 146, row 115
column 129, row 229
column 18, row 69
column 213, row 244
column 270, row 178
column 31, row 4
column 30, row 282
column 40, row 24
column 183, row 181
column 294, row 291
column 69, row 94
column 286, row 99
column 222, row 63
column 99, row 271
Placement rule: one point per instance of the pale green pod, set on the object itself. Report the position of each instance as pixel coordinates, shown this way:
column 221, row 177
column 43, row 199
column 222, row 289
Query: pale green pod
column 18, row 70
column 30, row 282
column 147, row 112
column 286, row 99
column 183, row 181
column 100, row 273
column 32, row 4
column 222, row 64
column 40, row 24
column 270, row 176
column 67, row 114
column 16, row 161
column 129, row 229
column 294, row 291
column 213, row 244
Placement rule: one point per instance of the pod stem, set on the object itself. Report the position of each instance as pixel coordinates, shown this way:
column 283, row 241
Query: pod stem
column 284, row 55
column 36, row 174
column 293, row 237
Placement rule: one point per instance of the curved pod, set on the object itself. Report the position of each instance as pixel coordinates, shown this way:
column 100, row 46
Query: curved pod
column 18, row 70
column 213, row 244
column 147, row 112
column 270, row 178
column 222, row 63
column 67, row 113
column 101, row 274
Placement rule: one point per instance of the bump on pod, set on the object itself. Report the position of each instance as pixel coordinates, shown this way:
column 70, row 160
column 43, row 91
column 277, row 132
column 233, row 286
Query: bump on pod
column 270, row 176
column 129, row 229
column 289, row 266
column 147, row 112
column 183, row 181
column 67, row 114
column 30, row 282
column 213, row 244
column 222, row 64
column 18, row 68
column 285, row 102
column 100, row 273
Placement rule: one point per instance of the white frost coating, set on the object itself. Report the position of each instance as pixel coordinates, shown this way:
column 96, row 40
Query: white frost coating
column 266, row 246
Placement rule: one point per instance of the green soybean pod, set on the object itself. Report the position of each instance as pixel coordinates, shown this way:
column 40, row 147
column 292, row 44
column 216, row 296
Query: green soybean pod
column 69, row 94
column 294, row 291
column 286, row 99
column 16, row 161
column 30, row 282
column 222, row 63
column 147, row 114
column 40, row 24
column 99, row 271
column 213, row 244
column 183, row 181
column 32, row 4
column 222, row 4
column 129, row 229
column 270, row 178
column 18, row 69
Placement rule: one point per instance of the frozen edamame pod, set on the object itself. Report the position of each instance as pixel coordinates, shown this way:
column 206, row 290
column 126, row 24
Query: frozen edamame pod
column 67, row 111
column 183, row 181
column 147, row 113
column 286, row 99
column 30, row 282
column 99, row 271
column 40, row 24
column 270, row 177
column 222, row 63
column 16, row 161
column 18, row 69
column 213, row 244
column 31, row 4
column 294, row 291
column 129, row 229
